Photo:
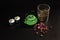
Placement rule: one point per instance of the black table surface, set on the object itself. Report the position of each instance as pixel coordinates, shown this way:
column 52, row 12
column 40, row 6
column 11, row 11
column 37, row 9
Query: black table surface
column 22, row 31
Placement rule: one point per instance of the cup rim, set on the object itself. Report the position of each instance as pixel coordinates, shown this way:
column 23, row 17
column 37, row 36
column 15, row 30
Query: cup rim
column 43, row 4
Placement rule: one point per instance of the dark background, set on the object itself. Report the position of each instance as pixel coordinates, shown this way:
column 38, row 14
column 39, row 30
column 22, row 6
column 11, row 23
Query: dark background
column 22, row 32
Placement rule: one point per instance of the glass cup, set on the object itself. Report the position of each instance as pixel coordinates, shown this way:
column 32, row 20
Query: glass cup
column 43, row 12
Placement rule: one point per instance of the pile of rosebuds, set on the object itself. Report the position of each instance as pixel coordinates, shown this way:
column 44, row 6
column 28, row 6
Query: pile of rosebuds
column 40, row 28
